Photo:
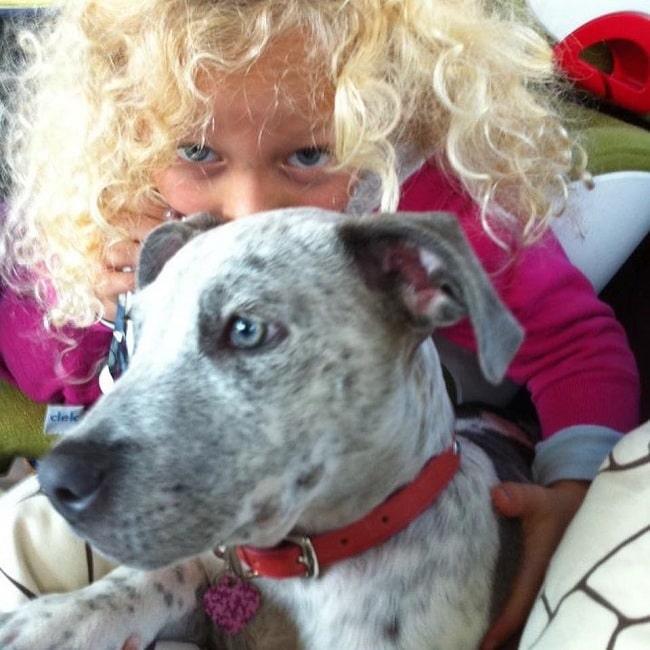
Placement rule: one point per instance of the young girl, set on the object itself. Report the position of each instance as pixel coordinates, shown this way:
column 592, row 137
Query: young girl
column 137, row 112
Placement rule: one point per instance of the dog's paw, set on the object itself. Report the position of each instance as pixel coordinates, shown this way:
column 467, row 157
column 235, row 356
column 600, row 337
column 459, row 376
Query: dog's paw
column 66, row 622
column 127, row 604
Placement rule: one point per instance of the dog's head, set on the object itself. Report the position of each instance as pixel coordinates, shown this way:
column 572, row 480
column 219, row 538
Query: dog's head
column 283, row 373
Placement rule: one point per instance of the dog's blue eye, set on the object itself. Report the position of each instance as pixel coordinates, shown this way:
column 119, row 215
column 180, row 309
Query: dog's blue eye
column 247, row 333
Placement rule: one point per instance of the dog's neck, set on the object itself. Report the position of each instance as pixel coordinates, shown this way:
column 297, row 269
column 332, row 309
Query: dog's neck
column 304, row 556
column 416, row 429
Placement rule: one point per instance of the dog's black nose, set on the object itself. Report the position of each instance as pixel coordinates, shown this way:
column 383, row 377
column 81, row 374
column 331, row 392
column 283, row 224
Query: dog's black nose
column 72, row 474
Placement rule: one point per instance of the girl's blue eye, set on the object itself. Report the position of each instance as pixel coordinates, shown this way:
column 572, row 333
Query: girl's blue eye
column 247, row 333
column 196, row 153
column 310, row 157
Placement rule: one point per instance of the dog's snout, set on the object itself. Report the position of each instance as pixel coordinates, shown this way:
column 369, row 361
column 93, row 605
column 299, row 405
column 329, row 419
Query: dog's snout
column 72, row 475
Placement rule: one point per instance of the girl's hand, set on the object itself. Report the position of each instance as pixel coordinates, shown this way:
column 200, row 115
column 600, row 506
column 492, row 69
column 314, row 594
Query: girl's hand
column 545, row 514
column 121, row 258
column 132, row 643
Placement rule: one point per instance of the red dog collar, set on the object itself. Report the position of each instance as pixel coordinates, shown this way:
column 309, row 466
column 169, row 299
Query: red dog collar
column 302, row 556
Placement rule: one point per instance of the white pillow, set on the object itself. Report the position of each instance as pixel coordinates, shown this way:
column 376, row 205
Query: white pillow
column 598, row 582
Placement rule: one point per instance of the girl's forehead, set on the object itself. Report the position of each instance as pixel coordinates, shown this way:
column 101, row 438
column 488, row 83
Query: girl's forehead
column 291, row 56
column 285, row 78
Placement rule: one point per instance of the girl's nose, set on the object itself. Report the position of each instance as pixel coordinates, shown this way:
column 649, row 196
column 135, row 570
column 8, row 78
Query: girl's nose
column 250, row 191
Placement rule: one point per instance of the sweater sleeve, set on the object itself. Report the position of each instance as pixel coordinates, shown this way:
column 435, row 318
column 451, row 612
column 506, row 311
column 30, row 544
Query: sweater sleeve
column 575, row 360
column 53, row 366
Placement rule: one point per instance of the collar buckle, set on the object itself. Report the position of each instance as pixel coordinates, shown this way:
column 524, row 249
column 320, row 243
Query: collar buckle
column 308, row 556
column 233, row 564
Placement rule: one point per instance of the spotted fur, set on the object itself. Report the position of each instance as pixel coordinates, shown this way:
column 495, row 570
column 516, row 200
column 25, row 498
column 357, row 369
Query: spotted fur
column 217, row 434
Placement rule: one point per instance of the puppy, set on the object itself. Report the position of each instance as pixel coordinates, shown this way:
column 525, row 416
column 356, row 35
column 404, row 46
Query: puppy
column 285, row 401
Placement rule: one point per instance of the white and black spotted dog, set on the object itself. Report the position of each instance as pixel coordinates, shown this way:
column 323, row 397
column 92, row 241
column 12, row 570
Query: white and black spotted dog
column 285, row 400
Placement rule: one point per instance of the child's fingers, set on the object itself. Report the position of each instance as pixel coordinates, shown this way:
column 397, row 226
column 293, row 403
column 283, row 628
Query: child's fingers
column 122, row 255
column 120, row 260
column 113, row 283
column 513, row 499
column 132, row 643
column 545, row 513
column 527, row 502
column 518, row 605
column 110, row 286
column 138, row 227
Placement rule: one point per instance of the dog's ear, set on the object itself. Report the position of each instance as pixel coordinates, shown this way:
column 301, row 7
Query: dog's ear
column 424, row 261
column 166, row 240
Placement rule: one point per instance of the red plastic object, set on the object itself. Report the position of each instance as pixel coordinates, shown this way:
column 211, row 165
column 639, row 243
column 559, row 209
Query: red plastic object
column 627, row 37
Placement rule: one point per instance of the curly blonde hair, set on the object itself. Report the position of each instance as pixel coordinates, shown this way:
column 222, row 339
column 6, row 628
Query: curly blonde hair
column 112, row 86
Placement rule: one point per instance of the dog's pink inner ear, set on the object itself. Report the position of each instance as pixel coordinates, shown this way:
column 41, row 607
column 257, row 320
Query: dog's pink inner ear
column 414, row 275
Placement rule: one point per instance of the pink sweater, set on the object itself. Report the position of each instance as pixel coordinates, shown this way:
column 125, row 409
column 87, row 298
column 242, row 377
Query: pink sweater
column 53, row 367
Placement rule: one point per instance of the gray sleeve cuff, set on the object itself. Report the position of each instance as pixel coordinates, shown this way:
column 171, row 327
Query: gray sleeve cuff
column 574, row 453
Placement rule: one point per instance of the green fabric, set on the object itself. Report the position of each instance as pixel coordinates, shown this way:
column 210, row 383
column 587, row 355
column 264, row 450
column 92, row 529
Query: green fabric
column 611, row 144
column 21, row 426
